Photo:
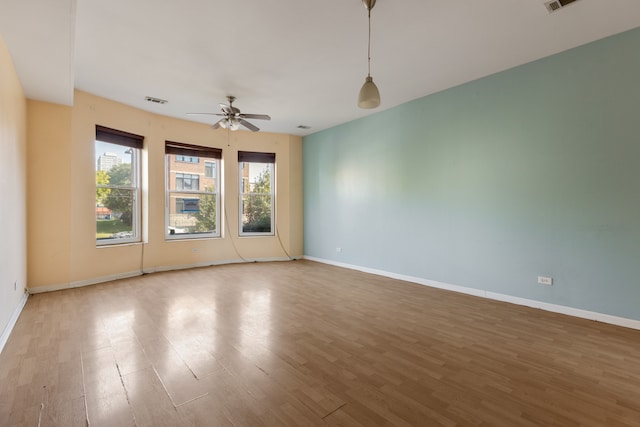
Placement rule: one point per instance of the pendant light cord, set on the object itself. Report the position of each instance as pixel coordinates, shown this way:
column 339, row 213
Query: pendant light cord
column 369, row 46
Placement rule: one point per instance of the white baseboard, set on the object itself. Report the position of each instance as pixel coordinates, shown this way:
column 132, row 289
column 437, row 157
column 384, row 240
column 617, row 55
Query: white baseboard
column 12, row 322
column 81, row 283
column 102, row 279
column 576, row 312
column 212, row 263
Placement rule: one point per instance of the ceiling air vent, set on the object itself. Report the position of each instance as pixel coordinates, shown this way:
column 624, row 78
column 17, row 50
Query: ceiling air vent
column 555, row 5
column 155, row 100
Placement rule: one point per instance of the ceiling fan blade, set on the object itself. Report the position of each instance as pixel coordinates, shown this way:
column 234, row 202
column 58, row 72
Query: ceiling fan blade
column 226, row 109
column 248, row 125
column 255, row 116
column 216, row 125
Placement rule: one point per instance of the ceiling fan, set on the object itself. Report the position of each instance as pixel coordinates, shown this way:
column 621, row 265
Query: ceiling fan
column 232, row 118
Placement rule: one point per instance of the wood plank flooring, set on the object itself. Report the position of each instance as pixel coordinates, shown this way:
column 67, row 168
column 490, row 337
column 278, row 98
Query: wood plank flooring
column 306, row 344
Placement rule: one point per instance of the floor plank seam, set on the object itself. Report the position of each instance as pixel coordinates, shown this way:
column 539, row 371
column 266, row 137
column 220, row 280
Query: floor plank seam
column 126, row 394
column 335, row 410
column 265, row 372
column 163, row 386
column 84, row 392
column 40, row 414
column 181, row 358
column 175, row 406
column 190, row 400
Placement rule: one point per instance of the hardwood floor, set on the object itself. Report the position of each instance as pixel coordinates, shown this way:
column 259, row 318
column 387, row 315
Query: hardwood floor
column 305, row 344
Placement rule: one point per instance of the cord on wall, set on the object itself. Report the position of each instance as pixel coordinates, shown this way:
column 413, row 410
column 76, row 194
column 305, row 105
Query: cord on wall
column 282, row 246
column 142, row 257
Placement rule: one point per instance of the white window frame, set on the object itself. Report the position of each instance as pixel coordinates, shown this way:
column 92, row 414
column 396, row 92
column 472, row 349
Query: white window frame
column 169, row 192
column 242, row 193
column 135, row 189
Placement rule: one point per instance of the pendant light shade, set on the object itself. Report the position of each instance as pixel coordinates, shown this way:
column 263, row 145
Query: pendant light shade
column 369, row 96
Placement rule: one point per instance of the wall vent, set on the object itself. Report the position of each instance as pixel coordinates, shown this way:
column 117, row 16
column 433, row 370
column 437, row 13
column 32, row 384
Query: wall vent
column 555, row 5
column 155, row 100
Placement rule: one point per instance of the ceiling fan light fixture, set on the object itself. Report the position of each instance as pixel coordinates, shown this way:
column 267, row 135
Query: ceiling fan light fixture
column 369, row 94
column 232, row 118
column 231, row 124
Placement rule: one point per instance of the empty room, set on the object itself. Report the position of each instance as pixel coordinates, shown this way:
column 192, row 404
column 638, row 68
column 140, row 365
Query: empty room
column 345, row 213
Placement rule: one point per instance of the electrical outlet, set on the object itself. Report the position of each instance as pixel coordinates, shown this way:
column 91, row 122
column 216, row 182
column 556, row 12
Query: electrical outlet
column 338, row 250
column 543, row 280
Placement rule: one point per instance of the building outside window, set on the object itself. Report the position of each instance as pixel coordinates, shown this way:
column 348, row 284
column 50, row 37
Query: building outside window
column 256, row 193
column 117, row 186
column 108, row 160
column 187, row 159
column 192, row 191
column 187, row 181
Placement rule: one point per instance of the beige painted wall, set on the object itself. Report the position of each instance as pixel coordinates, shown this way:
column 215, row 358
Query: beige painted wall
column 48, row 193
column 13, row 189
column 71, row 178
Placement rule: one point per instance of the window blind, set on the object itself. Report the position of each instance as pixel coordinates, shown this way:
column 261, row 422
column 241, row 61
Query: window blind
column 250, row 156
column 119, row 137
column 181, row 149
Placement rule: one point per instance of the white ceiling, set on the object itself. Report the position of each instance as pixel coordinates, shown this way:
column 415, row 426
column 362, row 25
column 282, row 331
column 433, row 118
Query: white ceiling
column 302, row 62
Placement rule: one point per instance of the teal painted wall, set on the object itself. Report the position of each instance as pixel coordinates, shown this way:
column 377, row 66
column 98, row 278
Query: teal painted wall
column 532, row 171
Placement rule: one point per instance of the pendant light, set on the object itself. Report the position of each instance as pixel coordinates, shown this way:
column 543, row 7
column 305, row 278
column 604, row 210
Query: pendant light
column 369, row 94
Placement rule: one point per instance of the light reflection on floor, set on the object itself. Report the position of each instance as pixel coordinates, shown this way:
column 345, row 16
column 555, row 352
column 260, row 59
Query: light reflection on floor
column 255, row 321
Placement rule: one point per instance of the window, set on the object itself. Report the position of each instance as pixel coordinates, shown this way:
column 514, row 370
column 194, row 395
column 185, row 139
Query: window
column 192, row 191
column 117, row 155
column 209, row 169
column 186, row 181
column 257, row 196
